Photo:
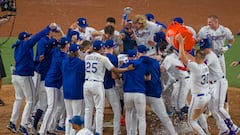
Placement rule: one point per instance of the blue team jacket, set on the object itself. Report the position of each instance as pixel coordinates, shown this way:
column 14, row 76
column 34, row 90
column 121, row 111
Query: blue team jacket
column 43, row 66
column 23, row 54
column 154, row 86
column 134, row 81
column 109, row 82
column 54, row 74
column 73, row 72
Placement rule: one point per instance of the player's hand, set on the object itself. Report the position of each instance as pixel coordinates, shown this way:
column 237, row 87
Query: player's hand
column 74, row 26
column 41, row 58
column 130, row 67
column 234, row 63
column 53, row 26
column 225, row 48
column 133, row 37
column 180, row 39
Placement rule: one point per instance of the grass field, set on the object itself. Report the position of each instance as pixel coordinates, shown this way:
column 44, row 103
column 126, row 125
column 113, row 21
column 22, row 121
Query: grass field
column 231, row 55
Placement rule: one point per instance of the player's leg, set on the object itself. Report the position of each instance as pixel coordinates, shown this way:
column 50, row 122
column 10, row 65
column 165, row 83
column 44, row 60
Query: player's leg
column 114, row 101
column 129, row 106
column 158, row 107
column 140, row 106
column 19, row 96
column 99, row 101
column 29, row 93
column 78, row 110
column 195, row 110
column 89, row 105
column 52, row 105
column 69, row 113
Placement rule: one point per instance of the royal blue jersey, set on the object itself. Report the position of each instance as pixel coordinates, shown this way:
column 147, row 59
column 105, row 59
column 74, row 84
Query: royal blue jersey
column 134, row 80
column 109, row 82
column 73, row 73
column 154, row 86
column 128, row 43
column 23, row 54
column 54, row 74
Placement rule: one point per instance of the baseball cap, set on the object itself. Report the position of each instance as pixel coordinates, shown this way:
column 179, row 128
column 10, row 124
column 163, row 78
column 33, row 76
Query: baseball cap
column 205, row 43
column 63, row 41
column 74, row 47
column 78, row 120
column 82, row 22
column 178, row 19
column 97, row 45
column 142, row 49
column 75, row 33
column 109, row 43
column 149, row 16
column 52, row 42
column 132, row 53
column 23, row 35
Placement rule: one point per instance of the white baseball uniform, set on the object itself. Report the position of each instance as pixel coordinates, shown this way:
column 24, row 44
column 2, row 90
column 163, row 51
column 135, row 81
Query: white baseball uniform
column 173, row 66
column 200, row 93
column 84, row 131
column 218, row 38
column 147, row 34
column 94, row 92
column 87, row 35
column 218, row 86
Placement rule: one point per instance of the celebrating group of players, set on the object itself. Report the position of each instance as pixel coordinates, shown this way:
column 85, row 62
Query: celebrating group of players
column 74, row 74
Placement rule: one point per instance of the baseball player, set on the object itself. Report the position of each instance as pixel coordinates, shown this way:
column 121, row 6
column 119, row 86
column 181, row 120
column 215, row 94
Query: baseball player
column 22, row 77
column 2, row 75
column 179, row 77
column 45, row 60
column 154, row 90
column 199, row 73
column 53, row 83
column 134, row 95
column 84, row 30
column 94, row 92
column 150, row 17
column 144, row 32
column 73, row 72
column 218, row 85
column 109, row 85
column 219, row 36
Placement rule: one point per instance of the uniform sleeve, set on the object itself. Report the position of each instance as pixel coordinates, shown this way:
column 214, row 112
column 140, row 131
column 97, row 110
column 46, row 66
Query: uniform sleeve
column 166, row 63
column 107, row 63
column 229, row 34
column 201, row 33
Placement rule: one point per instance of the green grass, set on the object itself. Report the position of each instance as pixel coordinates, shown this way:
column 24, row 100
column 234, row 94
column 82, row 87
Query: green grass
column 232, row 55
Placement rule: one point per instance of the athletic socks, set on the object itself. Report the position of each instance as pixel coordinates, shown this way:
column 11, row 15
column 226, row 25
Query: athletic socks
column 37, row 117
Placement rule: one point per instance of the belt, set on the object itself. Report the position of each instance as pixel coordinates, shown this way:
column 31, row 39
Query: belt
column 201, row 94
column 92, row 80
column 212, row 82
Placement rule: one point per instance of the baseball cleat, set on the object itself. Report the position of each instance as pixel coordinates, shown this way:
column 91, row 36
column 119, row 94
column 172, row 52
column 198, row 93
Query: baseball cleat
column 60, row 129
column 23, row 130
column 12, row 127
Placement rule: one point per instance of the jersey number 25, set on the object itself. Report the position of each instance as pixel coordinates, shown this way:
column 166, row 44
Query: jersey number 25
column 91, row 67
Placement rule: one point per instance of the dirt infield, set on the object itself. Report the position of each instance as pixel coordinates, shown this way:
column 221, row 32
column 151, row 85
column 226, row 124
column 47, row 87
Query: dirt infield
column 7, row 94
column 36, row 14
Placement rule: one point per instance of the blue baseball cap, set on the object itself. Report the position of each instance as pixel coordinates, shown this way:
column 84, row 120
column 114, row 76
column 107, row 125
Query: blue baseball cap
column 97, row 45
column 75, row 33
column 74, row 47
column 78, row 120
column 149, row 16
column 132, row 53
column 63, row 41
column 23, row 35
column 205, row 43
column 178, row 19
column 52, row 42
column 82, row 22
column 142, row 49
column 109, row 43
